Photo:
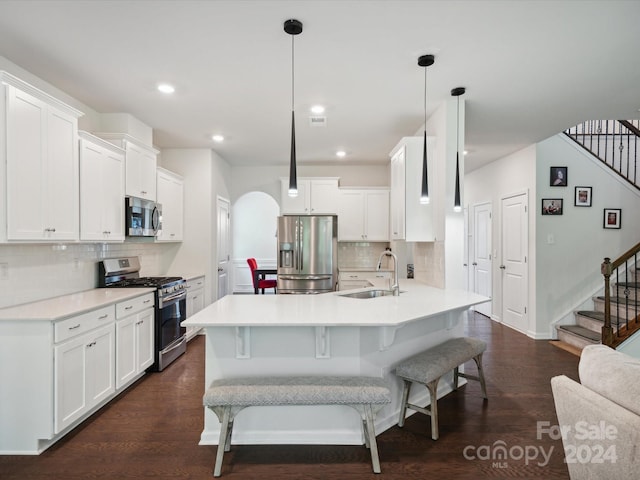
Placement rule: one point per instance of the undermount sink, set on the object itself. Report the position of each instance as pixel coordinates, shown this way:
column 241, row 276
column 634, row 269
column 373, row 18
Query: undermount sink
column 368, row 294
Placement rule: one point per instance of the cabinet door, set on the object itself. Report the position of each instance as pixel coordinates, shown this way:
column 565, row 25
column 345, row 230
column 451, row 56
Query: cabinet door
column 376, row 215
column 69, row 382
column 113, row 196
column 351, row 216
column 397, row 201
column 324, row 197
column 61, row 176
column 145, row 339
column 141, row 172
column 26, row 157
column 100, row 359
column 91, row 191
column 125, row 350
column 171, row 197
column 148, row 168
column 298, row 204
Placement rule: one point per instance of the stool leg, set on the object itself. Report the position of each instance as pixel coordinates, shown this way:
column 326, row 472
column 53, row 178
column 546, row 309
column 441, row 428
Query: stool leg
column 405, row 399
column 371, row 433
column 433, row 408
column 227, row 443
column 224, row 428
column 478, row 360
column 456, row 374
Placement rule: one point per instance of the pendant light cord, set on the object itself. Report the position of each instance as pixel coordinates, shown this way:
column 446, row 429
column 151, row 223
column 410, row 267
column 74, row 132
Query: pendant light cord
column 425, row 99
column 293, row 84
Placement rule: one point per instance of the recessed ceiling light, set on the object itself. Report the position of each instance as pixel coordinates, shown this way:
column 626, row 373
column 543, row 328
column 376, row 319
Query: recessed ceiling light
column 217, row 138
column 465, row 152
column 166, row 88
column 341, row 154
column 317, row 109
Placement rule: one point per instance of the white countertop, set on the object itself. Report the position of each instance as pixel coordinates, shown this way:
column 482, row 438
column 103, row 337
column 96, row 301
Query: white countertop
column 416, row 301
column 65, row 306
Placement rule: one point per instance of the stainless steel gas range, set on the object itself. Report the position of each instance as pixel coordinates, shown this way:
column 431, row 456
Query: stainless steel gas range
column 170, row 310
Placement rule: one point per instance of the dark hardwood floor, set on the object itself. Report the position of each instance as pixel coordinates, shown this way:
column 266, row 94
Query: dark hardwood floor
column 152, row 430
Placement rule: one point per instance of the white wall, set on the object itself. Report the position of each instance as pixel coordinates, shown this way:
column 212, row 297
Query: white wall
column 568, row 270
column 512, row 174
column 206, row 175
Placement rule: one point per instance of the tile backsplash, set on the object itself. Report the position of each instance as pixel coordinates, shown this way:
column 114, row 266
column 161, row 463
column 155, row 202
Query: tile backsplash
column 360, row 254
column 34, row 272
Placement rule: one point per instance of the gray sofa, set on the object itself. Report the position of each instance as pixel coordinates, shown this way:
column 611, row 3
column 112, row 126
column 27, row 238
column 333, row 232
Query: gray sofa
column 600, row 417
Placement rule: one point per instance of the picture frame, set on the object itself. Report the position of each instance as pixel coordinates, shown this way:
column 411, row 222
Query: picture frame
column 583, row 197
column 558, row 176
column 552, row 206
column 612, row 218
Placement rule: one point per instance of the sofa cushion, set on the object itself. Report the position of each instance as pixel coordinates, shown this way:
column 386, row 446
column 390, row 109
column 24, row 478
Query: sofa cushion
column 612, row 374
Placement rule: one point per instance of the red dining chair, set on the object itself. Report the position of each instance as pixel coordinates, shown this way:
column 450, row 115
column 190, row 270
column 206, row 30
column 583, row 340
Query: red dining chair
column 260, row 283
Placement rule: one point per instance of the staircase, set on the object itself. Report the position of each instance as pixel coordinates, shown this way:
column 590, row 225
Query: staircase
column 588, row 329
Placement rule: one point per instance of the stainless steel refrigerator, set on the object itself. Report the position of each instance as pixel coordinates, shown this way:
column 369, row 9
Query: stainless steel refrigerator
column 307, row 253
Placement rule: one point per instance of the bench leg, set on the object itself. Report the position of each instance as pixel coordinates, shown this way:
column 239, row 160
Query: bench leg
column 405, row 399
column 478, row 360
column 222, row 442
column 370, row 434
column 456, row 375
column 433, row 407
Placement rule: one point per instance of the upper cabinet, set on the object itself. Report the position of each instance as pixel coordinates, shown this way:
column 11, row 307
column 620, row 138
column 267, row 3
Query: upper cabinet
column 363, row 215
column 40, row 136
column 315, row 196
column 171, row 198
column 101, row 190
column 141, row 163
column 409, row 219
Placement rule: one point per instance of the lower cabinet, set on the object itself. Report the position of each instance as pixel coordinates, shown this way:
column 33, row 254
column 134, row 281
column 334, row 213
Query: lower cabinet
column 195, row 302
column 350, row 279
column 83, row 374
column 134, row 346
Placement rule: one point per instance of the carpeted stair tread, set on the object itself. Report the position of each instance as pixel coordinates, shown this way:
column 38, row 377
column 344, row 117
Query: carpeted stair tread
column 582, row 332
column 592, row 314
column 619, row 300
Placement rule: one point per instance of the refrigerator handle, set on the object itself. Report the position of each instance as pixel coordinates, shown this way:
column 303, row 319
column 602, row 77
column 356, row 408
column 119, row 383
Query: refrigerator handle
column 300, row 239
column 296, row 247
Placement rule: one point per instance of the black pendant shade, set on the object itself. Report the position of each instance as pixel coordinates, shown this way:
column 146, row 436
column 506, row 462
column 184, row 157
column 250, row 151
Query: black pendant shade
column 425, row 61
column 293, row 27
column 457, row 206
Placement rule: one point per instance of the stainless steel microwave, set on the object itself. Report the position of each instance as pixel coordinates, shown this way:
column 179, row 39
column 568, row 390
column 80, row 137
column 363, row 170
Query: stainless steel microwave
column 143, row 217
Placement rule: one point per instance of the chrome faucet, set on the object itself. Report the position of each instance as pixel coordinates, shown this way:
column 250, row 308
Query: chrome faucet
column 396, row 286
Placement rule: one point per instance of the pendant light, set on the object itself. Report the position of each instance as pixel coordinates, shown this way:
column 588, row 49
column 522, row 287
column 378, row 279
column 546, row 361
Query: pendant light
column 425, row 61
column 293, row 28
column 456, row 92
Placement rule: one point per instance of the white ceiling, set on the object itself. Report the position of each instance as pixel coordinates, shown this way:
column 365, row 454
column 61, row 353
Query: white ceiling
column 531, row 69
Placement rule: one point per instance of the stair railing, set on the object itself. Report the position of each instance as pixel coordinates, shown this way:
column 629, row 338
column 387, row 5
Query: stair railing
column 616, row 143
column 621, row 273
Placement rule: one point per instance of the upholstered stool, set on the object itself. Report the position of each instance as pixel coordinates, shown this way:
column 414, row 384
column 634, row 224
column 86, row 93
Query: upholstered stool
column 427, row 367
column 226, row 397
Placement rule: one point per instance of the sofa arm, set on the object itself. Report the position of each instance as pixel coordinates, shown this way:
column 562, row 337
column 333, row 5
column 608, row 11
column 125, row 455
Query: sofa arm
column 601, row 439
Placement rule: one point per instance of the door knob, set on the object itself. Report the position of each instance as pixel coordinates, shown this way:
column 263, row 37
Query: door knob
column 502, row 267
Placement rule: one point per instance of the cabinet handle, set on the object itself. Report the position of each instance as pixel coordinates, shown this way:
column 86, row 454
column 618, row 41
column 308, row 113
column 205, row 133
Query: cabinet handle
column 140, row 322
column 101, row 317
column 143, row 192
column 91, row 344
column 106, row 232
column 129, row 307
column 50, row 229
column 74, row 327
column 146, row 301
column 195, row 297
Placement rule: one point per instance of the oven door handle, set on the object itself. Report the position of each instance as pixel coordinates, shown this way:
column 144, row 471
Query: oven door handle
column 172, row 299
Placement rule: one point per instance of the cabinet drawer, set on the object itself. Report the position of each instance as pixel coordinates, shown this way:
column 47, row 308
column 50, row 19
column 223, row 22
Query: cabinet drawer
column 195, row 283
column 65, row 329
column 349, row 275
column 134, row 305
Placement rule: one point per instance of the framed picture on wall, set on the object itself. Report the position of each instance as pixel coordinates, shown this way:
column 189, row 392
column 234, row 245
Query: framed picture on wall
column 551, row 206
column 583, row 197
column 558, row 176
column 612, row 218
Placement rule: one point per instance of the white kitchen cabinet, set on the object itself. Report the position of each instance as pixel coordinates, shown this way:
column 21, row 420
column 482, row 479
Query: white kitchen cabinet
column 409, row 219
column 363, row 215
column 315, row 196
column 170, row 194
column 195, row 301
column 102, row 177
column 350, row 279
column 134, row 338
column 60, row 359
column 141, row 163
column 83, row 374
column 41, row 163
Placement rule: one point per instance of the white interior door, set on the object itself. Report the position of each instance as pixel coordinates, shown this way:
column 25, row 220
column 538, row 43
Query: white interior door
column 515, row 250
column 224, row 246
column 482, row 259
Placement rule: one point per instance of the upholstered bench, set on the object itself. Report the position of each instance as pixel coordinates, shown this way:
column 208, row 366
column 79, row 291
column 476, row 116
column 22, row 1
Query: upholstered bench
column 427, row 367
column 226, row 397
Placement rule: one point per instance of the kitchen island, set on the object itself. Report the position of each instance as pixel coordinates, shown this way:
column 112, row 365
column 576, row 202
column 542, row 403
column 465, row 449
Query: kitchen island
column 327, row 334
